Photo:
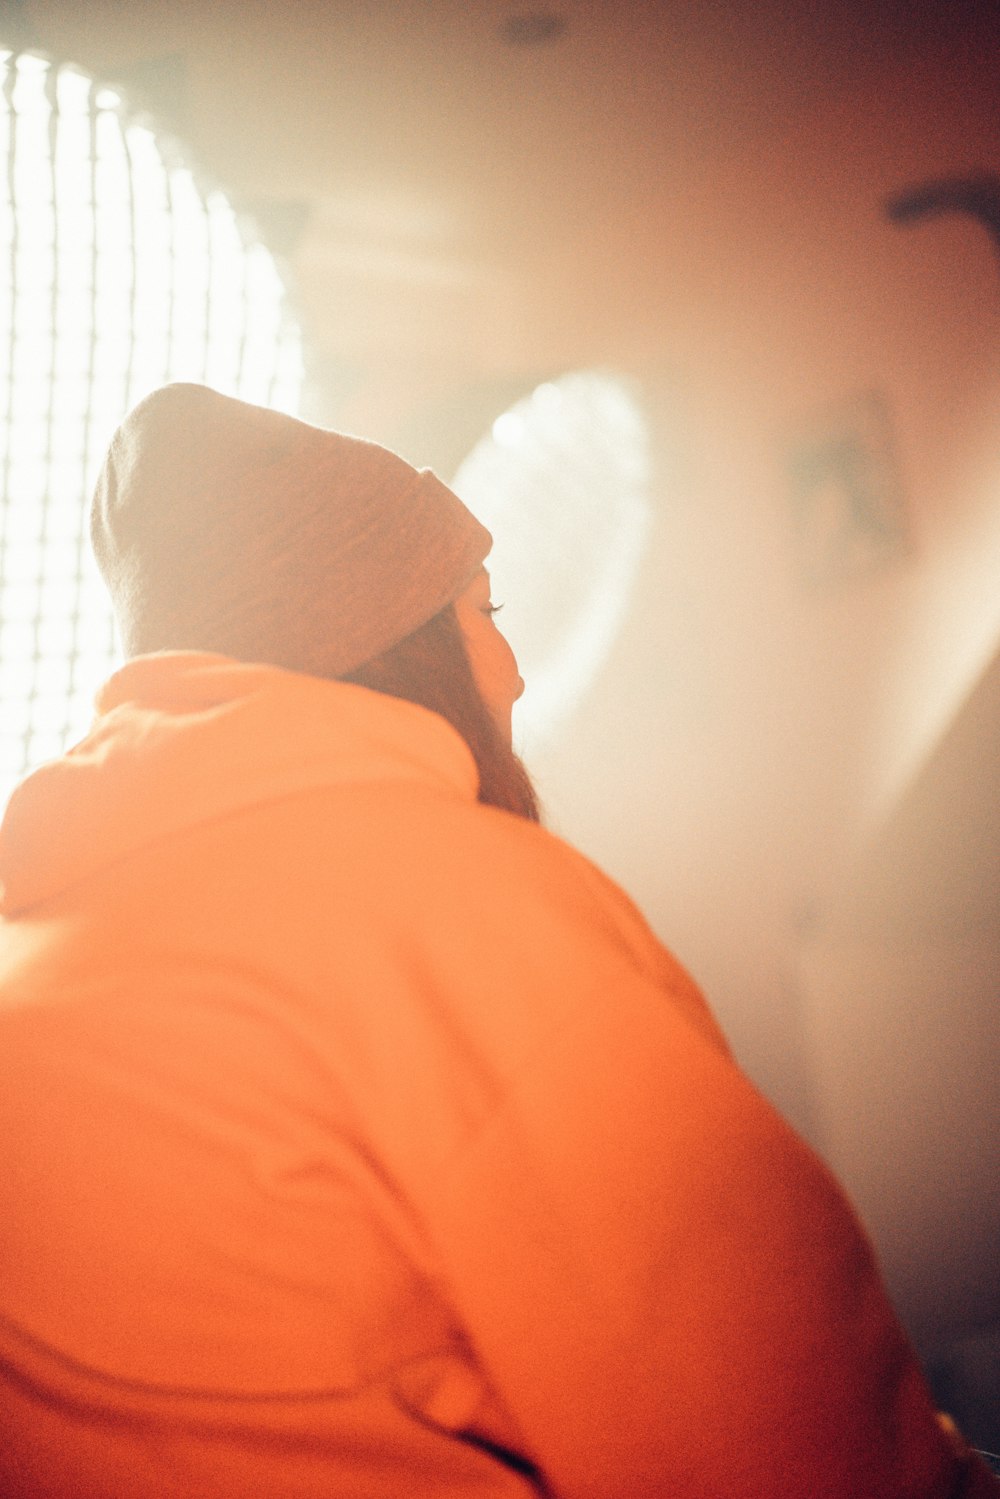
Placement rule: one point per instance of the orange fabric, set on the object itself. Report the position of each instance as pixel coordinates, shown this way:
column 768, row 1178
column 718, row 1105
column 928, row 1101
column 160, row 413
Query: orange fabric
column 353, row 1132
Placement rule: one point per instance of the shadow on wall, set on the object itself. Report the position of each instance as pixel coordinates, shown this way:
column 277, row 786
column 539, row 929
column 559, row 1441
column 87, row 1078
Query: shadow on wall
column 965, row 1378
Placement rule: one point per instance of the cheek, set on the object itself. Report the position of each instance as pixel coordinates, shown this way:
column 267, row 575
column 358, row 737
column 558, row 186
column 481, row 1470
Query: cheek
column 506, row 668
column 495, row 669
column 493, row 663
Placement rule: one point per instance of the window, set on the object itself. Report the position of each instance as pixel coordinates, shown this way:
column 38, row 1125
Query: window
column 122, row 272
column 562, row 482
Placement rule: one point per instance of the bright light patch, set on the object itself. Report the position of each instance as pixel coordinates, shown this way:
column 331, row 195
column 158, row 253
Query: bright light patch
column 562, row 483
column 121, row 273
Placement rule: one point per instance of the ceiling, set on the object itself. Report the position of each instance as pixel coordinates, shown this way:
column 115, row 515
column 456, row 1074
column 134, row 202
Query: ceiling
column 412, row 143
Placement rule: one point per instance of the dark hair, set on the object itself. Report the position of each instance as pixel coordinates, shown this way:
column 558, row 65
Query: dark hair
column 430, row 667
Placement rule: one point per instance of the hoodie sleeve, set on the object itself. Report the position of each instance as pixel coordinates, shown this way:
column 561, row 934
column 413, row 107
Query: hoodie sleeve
column 667, row 1288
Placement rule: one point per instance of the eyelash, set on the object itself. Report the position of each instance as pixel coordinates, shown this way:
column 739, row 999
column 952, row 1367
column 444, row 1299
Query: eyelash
column 493, row 608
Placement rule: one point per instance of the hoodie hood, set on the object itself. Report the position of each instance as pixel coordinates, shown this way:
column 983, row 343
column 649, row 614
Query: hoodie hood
column 181, row 738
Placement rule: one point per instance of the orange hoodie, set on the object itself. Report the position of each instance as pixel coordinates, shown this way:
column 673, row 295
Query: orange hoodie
column 359, row 1140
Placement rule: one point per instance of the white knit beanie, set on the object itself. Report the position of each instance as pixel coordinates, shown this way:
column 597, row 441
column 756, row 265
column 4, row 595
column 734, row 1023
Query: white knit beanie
column 221, row 526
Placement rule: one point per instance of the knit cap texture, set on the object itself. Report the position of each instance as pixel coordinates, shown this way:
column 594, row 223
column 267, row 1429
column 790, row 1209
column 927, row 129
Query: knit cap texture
column 223, row 526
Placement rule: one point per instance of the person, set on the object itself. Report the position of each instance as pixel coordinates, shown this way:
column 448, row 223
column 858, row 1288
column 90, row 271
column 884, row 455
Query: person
column 359, row 1137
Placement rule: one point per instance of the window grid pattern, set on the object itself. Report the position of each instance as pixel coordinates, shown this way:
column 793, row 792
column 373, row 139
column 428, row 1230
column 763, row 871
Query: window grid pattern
column 562, row 480
column 123, row 272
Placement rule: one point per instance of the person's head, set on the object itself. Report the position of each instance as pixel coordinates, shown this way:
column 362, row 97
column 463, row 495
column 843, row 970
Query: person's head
column 226, row 527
